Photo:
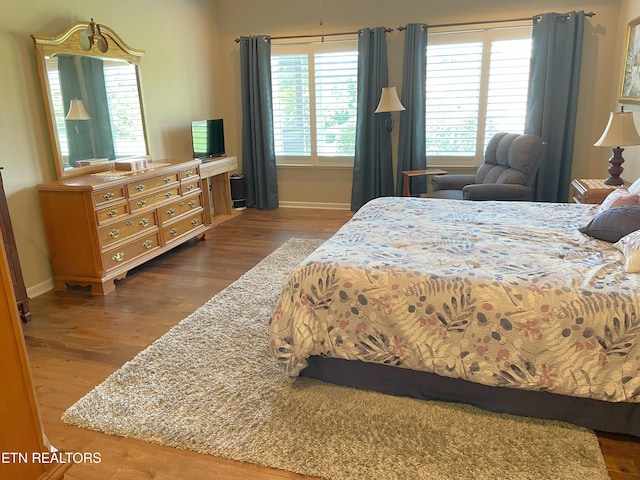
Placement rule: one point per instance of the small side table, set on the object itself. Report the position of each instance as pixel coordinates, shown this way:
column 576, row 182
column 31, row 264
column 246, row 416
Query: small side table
column 407, row 174
column 591, row 190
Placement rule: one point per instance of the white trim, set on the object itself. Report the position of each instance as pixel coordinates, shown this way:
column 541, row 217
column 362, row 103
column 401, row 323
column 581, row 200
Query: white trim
column 40, row 288
column 315, row 205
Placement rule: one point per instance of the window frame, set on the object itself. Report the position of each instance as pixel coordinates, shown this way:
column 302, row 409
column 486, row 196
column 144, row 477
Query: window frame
column 486, row 36
column 311, row 49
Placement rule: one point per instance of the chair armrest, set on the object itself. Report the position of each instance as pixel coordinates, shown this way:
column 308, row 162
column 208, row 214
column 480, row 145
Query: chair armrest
column 497, row 191
column 452, row 181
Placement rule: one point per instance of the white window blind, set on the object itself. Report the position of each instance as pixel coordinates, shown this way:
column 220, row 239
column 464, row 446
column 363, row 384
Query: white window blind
column 477, row 84
column 291, row 110
column 58, row 107
column 453, row 98
column 126, row 120
column 314, row 102
column 336, row 83
column 508, row 86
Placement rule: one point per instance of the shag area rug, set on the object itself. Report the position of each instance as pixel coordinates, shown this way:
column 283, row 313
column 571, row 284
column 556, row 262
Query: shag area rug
column 210, row 384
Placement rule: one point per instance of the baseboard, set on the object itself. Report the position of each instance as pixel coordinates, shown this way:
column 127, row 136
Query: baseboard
column 316, row 205
column 40, row 288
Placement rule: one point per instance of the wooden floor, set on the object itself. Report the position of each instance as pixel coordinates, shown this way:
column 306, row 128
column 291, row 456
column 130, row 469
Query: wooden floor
column 76, row 340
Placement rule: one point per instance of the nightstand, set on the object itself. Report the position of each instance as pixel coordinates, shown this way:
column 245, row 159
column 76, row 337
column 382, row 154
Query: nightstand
column 591, row 190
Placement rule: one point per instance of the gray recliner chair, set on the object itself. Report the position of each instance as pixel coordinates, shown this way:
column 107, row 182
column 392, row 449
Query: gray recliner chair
column 511, row 162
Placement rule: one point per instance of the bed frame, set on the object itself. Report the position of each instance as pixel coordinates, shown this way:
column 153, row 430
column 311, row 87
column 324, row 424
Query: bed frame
column 613, row 417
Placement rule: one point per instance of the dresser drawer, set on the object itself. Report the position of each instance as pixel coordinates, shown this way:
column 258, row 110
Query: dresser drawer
column 174, row 231
column 190, row 186
column 139, row 203
column 120, row 231
column 145, row 186
column 189, row 173
column 106, row 196
column 175, row 209
column 115, row 257
column 113, row 212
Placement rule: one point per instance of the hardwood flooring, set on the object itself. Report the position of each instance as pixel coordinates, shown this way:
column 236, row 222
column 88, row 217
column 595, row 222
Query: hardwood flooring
column 76, row 340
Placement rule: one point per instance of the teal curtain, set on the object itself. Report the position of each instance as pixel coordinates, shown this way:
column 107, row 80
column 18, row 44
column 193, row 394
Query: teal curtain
column 554, row 84
column 412, row 143
column 98, row 106
column 258, row 149
column 372, row 166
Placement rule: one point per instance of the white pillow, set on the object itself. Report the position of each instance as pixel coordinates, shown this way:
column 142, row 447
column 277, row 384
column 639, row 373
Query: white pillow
column 619, row 197
column 629, row 245
column 635, row 187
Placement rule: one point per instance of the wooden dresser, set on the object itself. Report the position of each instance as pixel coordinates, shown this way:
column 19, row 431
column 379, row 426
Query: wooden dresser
column 102, row 225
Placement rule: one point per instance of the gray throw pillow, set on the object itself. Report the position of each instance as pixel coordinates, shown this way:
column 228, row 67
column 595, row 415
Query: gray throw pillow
column 614, row 223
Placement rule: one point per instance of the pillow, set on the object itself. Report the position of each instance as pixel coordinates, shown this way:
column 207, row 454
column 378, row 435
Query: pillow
column 629, row 245
column 619, row 197
column 614, row 223
column 635, row 187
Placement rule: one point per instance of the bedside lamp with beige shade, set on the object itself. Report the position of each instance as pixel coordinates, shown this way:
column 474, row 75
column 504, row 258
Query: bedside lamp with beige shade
column 620, row 132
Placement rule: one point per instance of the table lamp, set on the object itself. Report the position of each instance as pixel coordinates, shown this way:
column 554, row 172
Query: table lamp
column 620, row 132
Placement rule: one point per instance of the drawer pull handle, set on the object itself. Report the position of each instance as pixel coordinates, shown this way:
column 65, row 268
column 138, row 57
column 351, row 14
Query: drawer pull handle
column 167, row 179
column 171, row 211
column 108, row 195
column 168, row 194
column 142, row 203
column 112, row 213
column 191, row 187
column 173, row 232
column 140, row 187
column 118, row 257
column 194, row 221
column 147, row 244
column 144, row 222
column 188, row 173
column 115, row 233
column 129, row 223
column 181, row 204
column 192, row 203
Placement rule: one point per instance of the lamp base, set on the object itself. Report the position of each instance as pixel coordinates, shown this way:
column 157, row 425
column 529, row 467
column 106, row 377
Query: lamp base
column 615, row 168
column 389, row 123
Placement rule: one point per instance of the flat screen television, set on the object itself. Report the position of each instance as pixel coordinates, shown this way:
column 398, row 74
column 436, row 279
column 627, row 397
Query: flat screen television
column 208, row 138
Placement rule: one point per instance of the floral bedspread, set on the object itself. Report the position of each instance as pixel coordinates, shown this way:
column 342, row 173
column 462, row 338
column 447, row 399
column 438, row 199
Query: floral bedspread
column 499, row 293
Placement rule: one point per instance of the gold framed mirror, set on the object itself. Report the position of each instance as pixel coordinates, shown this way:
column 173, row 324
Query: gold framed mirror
column 92, row 93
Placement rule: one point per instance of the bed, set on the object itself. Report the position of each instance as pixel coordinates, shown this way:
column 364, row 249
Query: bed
column 503, row 305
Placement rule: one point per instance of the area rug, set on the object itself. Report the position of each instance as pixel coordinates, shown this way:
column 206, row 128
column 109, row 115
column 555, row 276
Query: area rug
column 210, row 384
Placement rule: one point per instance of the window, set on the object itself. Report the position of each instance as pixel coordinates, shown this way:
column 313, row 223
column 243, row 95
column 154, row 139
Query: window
column 477, row 84
column 314, row 102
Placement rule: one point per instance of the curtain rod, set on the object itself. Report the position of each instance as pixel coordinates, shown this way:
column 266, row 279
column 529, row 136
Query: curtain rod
column 322, row 35
column 462, row 24
column 441, row 25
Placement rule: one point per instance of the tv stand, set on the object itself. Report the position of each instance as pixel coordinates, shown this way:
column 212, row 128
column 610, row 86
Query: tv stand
column 216, row 189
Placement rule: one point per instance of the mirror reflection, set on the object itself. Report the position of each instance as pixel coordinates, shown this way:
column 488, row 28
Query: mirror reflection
column 91, row 87
column 96, row 109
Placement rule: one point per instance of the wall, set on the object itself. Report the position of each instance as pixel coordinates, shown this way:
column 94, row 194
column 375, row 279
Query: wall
column 629, row 10
column 179, row 73
column 300, row 186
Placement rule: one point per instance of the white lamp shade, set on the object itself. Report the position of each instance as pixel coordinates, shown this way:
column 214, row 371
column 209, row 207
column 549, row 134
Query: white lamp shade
column 77, row 111
column 389, row 101
column 620, row 131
